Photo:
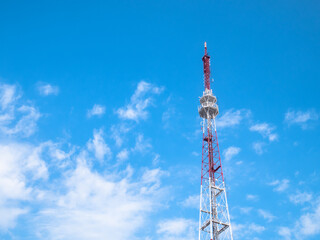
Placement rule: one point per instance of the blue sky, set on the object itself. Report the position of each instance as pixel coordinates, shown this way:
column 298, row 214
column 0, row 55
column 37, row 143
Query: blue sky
column 99, row 129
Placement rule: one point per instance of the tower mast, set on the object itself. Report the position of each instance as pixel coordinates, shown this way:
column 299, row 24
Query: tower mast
column 214, row 219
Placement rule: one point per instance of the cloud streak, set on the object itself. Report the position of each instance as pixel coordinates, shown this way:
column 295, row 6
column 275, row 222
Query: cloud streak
column 97, row 110
column 15, row 118
column 98, row 146
column 232, row 118
column 139, row 102
column 230, row 152
column 280, row 185
column 46, row 89
column 177, row 229
column 265, row 130
column 93, row 206
column 300, row 118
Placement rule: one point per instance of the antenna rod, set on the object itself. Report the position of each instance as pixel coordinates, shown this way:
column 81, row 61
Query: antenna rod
column 206, row 67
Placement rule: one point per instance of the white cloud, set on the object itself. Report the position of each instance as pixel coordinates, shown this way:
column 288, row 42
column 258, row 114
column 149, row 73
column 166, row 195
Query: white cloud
column 79, row 201
column 256, row 228
column 300, row 198
column 16, row 119
column 230, row 152
column 258, row 147
column 232, row 118
column 82, row 203
column 306, row 226
column 166, row 116
column 142, row 145
column 252, row 197
column 26, row 125
column 46, row 89
column 118, row 132
column 9, row 216
column 19, row 164
column 265, row 130
column 8, row 94
column 247, row 231
column 300, row 118
column 123, row 155
column 94, row 206
column 57, row 153
column 140, row 101
column 285, row 232
column 195, row 135
column 98, row 145
column 97, row 110
column 196, row 154
column 177, row 229
column 309, row 223
column 245, row 210
column 280, row 185
column 192, row 201
column 152, row 176
column 156, row 159
column 266, row 215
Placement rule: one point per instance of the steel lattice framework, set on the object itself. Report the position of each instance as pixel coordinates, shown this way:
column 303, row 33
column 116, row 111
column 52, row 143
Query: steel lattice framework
column 214, row 219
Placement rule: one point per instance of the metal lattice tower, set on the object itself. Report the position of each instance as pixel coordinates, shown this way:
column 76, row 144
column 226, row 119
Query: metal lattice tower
column 214, row 219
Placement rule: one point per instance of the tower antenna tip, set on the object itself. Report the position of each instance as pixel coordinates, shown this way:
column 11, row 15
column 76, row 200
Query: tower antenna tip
column 205, row 44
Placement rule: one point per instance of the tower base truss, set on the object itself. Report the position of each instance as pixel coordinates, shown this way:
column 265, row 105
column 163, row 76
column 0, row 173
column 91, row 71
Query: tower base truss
column 214, row 220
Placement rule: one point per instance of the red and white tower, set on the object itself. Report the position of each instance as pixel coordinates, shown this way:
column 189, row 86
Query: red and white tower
column 214, row 220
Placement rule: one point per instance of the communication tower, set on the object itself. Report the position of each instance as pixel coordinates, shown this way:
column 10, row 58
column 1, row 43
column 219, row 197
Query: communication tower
column 214, row 219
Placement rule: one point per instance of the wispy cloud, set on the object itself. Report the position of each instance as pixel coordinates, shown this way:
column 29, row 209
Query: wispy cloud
column 46, row 89
column 196, row 154
column 285, row 232
column 94, row 206
column 192, row 201
column 83, row 203
column 152, row 176
column 98, row 146
column 20, row 165
column 142, row 145
column 123, row 155
column 280, row 185
column 26, row 125
column 8, row 94
column 247, row 230
column 232, row 118
column 265, row 130
column 252, row 197
column 245, row 210
column 300, row 118
column 16, row 119
column 266, row 215
column 156, row 159
column 307, row 226
column 118, row 133
column 97, row 110
column 177, row 229
column 230, row 152
column 139, row 102
column 310, row 223
column 300, row 197
column 258, row 147
column 166, row 116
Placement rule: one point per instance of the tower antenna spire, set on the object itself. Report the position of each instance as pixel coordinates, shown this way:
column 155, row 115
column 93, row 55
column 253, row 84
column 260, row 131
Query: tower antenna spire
column 206, row 67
